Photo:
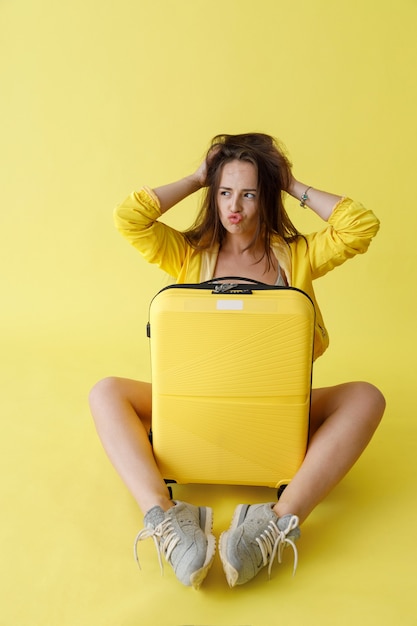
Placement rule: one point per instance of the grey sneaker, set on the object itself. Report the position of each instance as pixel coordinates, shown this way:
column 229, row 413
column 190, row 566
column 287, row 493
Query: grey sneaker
column 256, row 536
column 183, row 535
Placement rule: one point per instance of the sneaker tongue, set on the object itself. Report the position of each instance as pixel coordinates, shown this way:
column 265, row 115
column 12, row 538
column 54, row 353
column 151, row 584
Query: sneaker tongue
column 283, row 523
column 154, row 517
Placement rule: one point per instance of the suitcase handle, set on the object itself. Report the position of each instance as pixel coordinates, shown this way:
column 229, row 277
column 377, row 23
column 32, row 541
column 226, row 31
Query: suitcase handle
column 239, row 285
column 235, row 279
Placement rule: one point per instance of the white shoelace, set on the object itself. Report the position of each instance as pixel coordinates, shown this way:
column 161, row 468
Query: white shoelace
column 165, row 539
column 273, row 541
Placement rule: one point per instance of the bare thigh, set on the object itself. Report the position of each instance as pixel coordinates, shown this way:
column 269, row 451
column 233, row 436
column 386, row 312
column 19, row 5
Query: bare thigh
column 135, row 393
column 360, row 399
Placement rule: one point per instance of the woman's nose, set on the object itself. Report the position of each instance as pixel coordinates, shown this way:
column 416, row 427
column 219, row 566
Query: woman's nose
column 235, row 204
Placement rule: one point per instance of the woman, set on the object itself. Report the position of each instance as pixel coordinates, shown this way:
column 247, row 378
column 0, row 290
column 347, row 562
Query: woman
column 243, row 230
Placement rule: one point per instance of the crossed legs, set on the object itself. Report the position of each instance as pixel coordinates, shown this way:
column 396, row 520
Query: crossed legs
column 342, row 421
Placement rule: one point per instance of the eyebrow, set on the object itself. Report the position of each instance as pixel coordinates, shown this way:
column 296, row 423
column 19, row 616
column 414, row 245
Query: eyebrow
column 230, row 188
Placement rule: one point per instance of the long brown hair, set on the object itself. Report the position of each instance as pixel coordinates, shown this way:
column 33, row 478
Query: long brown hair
column 274, row 176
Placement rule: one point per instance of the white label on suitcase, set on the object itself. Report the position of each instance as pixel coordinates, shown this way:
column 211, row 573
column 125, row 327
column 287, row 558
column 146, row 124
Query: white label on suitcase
column 230, row 305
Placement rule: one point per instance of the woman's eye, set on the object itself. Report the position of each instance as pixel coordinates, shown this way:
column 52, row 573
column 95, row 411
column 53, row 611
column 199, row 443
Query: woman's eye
column 249, row 195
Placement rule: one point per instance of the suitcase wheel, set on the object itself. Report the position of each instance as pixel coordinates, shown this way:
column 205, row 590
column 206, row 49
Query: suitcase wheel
column 169, row 482
column 280, row 490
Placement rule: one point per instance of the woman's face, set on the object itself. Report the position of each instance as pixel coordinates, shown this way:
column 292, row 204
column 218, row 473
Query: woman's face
column 237, row 198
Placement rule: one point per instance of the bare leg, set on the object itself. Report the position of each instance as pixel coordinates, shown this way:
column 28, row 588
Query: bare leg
column 343, row 420
column 122, row 411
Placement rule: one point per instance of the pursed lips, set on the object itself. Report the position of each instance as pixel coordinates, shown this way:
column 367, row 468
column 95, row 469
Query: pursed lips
column 235, row 218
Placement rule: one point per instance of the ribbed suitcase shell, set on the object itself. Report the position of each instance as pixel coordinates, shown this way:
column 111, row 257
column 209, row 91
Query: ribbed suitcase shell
column 231, row 383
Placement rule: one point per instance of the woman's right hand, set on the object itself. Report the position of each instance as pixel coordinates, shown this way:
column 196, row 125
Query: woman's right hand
column 201, row 173
column 171, row 194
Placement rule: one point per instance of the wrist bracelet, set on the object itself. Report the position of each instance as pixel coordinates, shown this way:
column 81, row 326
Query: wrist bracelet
column 304, row 197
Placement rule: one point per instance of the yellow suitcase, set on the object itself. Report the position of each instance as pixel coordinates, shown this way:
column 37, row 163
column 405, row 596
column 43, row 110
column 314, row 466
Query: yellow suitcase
column 231, row 370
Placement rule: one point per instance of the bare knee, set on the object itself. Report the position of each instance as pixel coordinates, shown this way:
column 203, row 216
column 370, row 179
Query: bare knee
column 115, row 398
column 365, row 412
column 371, row 402
column 360, row 400
column 103, row 391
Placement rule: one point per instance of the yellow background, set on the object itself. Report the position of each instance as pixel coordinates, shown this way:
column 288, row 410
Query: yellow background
column 98, row 98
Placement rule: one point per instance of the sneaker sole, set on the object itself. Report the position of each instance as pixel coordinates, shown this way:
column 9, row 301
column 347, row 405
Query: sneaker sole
column 231, row 573
column 206, row 525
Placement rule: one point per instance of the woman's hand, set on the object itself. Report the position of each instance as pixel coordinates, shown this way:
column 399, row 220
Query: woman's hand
column 291, row 187
column 201, row 173
column 171, row 194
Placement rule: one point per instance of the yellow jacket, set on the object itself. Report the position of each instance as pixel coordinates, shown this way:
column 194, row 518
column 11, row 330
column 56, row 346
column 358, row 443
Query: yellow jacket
column 348, row 232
